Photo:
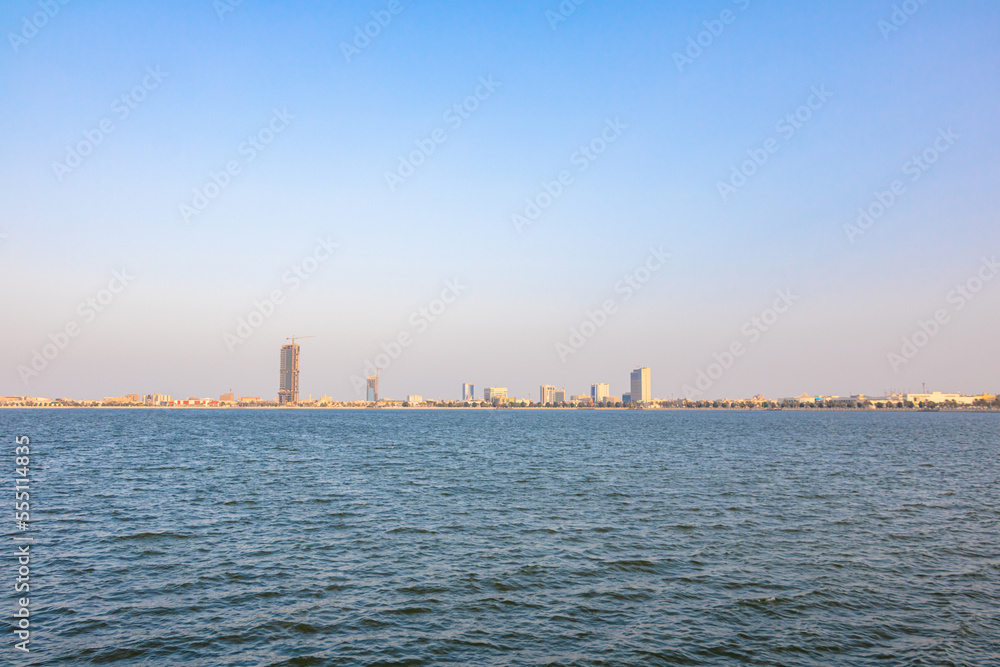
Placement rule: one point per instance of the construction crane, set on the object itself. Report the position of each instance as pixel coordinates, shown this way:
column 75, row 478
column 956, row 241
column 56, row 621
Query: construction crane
column 294, row 338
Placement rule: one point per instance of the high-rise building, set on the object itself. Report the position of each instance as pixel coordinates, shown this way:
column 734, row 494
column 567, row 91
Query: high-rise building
column 372, row 389
column 599, row 392
column 468, row 392
column 288, row 380
column 559, row 396
column 494, row 394
column 641, row 387
column 546, row 394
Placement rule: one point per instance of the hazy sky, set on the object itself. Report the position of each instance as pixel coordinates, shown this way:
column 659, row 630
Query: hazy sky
column 413, row 150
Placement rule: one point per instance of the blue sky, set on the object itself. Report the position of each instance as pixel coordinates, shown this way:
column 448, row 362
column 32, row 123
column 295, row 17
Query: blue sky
column 556, row 86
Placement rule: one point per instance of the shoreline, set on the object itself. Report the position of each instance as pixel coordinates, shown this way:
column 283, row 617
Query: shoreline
column 464, row 409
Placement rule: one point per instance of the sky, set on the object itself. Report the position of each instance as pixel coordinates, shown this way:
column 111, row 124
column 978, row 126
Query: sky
column 746, row 197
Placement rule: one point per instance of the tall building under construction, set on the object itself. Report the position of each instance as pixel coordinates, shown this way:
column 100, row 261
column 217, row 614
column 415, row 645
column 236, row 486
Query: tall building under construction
column 288, row 383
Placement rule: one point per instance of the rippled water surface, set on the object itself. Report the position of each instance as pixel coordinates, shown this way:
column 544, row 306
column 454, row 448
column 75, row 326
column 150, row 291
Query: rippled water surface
column 511, row 537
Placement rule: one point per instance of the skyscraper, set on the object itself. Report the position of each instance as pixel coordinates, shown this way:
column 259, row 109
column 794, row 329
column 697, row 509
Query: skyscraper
column 599, row 392
column 641, row 386
column 468, row 392
column 559, row 396
column 288, row 378
column 372, row 388
column 546, row 394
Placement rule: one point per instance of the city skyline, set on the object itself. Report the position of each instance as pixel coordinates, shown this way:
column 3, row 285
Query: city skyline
column 639, row 383
column 793, row 198
column 639, row 394
column 907, row 401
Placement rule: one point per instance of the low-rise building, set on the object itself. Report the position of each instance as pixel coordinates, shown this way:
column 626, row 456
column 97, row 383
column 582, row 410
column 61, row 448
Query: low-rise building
column 127, row 399
column 939, row 398
column 196, row 402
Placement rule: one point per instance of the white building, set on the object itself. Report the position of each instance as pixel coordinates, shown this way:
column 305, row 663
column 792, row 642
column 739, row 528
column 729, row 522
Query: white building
column 494, row 394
